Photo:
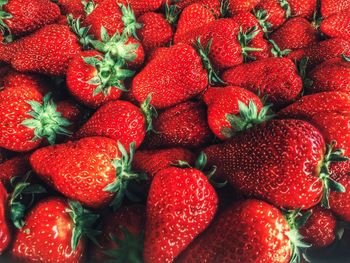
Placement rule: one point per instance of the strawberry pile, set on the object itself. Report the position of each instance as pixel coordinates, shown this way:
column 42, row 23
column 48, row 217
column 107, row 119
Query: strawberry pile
column 175, row 131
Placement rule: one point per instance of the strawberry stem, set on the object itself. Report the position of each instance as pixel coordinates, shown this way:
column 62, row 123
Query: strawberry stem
column 276, row 51
column 171, row 13
column 129, row 20
column 286, row 7
column 81, row 32
column 89, row 6
column 345, row 58
column 149, row 112
column 262, row 17
column 5, row 31
column 244, row 38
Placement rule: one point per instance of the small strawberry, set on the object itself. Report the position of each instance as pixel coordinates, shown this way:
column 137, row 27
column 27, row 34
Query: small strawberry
column 184, row 125
column 337, row 25
column 14, row 167
column 181, row 203
column 239, row 6
column 5, row 233
column 53, row 231
column 276, row 78
column 329, row 7
column 94, row 171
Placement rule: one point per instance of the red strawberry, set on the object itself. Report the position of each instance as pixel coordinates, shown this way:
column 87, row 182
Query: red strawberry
column 337, row 25
column 239, row 6
column 276, row 157
column 93, row 170
column 247, row 231
column 143, row 6
column 78, row 8
column 5, row 233
column 120, row 121
column 213, row 5
column 320, row 228
column 303, row 8
column 224, row 104
column 21, row 17
column 329, row 7
column 184, row 125
column 181, row 204
column 331, row 75
column 276, row 78
column 122, row 235
column 152, row 161
column 53, row 231
column 14, row 167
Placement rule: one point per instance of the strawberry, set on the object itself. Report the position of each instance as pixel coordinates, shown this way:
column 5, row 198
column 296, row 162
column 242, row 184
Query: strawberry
column 5, row 233
column 143, row 6
column 289, row 154
column 238, row 6
column 93, row 170
column 276, row 78
column 19, row 17
column 337, row 25
column 331, row 75
column 153, row 161
column 120, row 121
column 155, row 32
column 181, row 203
column 224, row 104
column 14, row 167
column 245, row 232
column 213, row 5
column 122, row 235
column 329, row 7
column 320, row 228
column 78, row 8
column 54, row 223
column 184, row 125
column 294, row 34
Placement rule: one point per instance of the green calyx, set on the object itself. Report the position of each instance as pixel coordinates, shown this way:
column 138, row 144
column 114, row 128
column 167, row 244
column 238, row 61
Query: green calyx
column 329, row 184
column 4, row 29
column 149, row 112
column 171, row 13
column 116, row 46
column 110, row 73
column 244, row 38
column 345, row 58
column 22, row 198
column 224, row 8
column 89, row 6
column 129, row 249
column 124, row 175
column 129, row 20
column 84, row 221
column 302, row 66
column 262, row 17
column 276, row 51
column 81, row 32
column 286, row 7
column 249, row 117
column 213, row 77
column 46, row 121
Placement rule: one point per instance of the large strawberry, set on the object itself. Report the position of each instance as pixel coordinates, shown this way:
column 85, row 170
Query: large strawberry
column 143, row 6
column 53, row 231
column 93, row 170
column 276, row 78
column 337, row 25
column 5, row 233
column 20, row 17
column 329, row 7
column 180, row 205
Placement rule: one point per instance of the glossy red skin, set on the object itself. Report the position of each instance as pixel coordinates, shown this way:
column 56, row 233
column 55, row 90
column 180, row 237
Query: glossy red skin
column 153, row 161
column 191, row 18
column 155, row 32
column 224, row 100
column 340, row 202
column 46, row 236
column 249, row 231
column 74, row 7
column 16, row 166
column 331, row 75
column 213, row 5
column 294, row 34
column 275, row 77
column 19, row 79
column 46, row 51
column 303, row 8
column 5, row 233
column 30, row 16
column 79, row 170
column 239, row 6
column 131, row 217
column 271, row 159
column 320, row 229
column 9, row 50
column 180, row 205
column 143, row 6
column 118, row 120
column 171, row 81
column 139, row 53
column 337, row 25
column 329, row 7
column 184, row 125
column 277, row 15
column 78, row 75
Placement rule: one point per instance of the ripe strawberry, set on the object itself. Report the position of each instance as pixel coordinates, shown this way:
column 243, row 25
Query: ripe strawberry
column 238, row 6
column 14, row 167
column 213, row 5
column 153, row 161
column 93, row 171
column 331, row 75
column 184, row 125
column 244, row 232
column 181, row 204
column 78, row 8
column 276, row 78
column 54, row 223
column 294, row 34
column 329, row 7
column 276, row 157
column 226, row 104
column 337, row 25
column 120, row 121
column 143, row 6
column 122, row 235
column 5, row 233
column 320, row 228
column 21, row 17
column 155, row 32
